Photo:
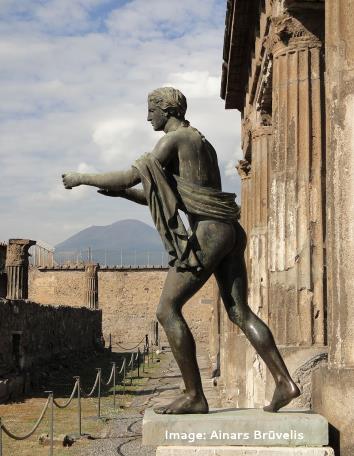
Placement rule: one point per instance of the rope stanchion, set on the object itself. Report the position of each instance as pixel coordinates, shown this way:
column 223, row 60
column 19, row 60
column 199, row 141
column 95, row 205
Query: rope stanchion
column 63, row 406
column 110, row 377
column 138, row 356
column 124, row 375
column 51, row 428
column 99, row 372
column 78, row 405
column 92, row 390
column 33, row 430
column 144, row 359
column 114, row 386
column 0, row 437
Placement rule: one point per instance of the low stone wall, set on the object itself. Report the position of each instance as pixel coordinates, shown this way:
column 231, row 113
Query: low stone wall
column 128, row 299
column 57, row 287
column 31, row 333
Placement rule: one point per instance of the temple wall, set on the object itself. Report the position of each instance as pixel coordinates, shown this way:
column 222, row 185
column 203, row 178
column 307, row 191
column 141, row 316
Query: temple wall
column 282, row 197
column 291, row 71
column 333, row 385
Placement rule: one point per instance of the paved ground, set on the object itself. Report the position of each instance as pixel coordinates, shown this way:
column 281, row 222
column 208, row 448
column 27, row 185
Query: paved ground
column 123, row 435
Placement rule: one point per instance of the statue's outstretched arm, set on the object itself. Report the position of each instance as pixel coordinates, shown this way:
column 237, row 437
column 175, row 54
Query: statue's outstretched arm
column 115, row 181
column 132, row 194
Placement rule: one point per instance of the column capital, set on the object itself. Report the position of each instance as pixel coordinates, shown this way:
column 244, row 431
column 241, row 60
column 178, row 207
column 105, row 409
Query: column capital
column 17, row 252
column 262, row 130
column 243, row 168
column 91, row 269
column 289, row 32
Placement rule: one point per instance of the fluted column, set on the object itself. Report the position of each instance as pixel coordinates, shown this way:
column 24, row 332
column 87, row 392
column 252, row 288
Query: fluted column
column 17, row 268
column 295, row 184
column 258, row 271
column 91, row 292
column 244, row 171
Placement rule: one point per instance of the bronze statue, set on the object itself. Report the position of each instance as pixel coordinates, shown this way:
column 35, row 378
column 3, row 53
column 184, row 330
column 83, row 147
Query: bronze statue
column 182, row 173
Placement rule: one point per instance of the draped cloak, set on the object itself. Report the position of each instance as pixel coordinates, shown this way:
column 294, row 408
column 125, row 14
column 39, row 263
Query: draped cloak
column 166, row 195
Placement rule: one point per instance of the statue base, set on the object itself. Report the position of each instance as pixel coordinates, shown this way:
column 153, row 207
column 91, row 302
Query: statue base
column 287, row 432
column 242, row 451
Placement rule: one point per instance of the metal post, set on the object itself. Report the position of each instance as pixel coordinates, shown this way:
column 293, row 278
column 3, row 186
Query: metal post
column 124, row 378
column 110, row 342
column 79, row 404
column 51, row 422
column 148, row 353
column 0, row 437
column 131, row 369
column 144, row 359
column 138, row 364
column 99, row 393
column 114, row 386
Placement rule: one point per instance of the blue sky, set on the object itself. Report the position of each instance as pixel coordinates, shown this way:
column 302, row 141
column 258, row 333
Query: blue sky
column 74, row 80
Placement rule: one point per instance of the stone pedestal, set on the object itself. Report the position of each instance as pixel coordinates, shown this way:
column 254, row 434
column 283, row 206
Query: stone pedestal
column 243, row 451
column 17, row 268
column 240, row 427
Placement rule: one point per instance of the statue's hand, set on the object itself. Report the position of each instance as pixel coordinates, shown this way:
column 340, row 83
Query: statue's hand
column 115, row 193
column 71, row 180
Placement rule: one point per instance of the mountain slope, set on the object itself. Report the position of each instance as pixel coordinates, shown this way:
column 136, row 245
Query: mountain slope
column 131, row 239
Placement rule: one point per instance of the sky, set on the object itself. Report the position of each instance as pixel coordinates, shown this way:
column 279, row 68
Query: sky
column 74, row 80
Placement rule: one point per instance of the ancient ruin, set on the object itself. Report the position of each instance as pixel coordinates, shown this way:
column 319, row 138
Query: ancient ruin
column 288, row 68
column 32, row 334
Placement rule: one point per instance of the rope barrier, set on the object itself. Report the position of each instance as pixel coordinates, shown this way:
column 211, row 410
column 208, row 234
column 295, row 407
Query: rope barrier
column 93, row 388
column 131, row 360
column 130, row 349
column 32, row 431
column 110, row 378
column 122, row 367
column 80, row 391
column 69, row 400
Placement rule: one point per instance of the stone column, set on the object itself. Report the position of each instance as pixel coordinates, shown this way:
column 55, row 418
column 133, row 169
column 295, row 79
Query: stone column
column 17, row 268
column 333, row 387
column 296, row 197
column 244, row 171
column 3, row 276
column 91, row 291
column 258, row 267
column 258, row 272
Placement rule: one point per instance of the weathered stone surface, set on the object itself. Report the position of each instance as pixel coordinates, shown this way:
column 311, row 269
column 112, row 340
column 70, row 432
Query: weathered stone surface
column 134, row 293
column 243, row 451
column 31, row 333
column 236, row 427
column 333, row 396
column 17, row 268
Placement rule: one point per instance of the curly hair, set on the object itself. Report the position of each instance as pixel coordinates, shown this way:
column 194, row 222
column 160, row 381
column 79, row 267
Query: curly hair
column 169, row 99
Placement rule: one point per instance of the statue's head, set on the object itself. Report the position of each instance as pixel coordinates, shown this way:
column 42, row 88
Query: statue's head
column 164, row 103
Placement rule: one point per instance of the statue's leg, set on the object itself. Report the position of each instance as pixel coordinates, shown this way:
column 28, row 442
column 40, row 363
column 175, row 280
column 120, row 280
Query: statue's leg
column 214, row 240
column 231, row 276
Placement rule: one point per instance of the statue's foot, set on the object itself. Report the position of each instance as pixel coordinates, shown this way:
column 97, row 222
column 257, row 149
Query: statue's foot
column 284, row 393
column 183, row 405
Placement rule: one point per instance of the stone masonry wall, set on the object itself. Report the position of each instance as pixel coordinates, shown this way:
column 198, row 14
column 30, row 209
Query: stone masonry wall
column 57, row 287
column 31, row 333
column 128, row 299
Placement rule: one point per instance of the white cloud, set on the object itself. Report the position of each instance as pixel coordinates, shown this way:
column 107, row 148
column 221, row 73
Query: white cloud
column 74, row 81
column 198, row 84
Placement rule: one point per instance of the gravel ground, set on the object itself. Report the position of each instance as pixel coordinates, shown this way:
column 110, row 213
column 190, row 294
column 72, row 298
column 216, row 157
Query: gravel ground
column 123, row 435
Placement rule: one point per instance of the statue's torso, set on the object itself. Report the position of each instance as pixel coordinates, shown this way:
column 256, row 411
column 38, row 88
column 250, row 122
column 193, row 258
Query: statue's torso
column 196, row 160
